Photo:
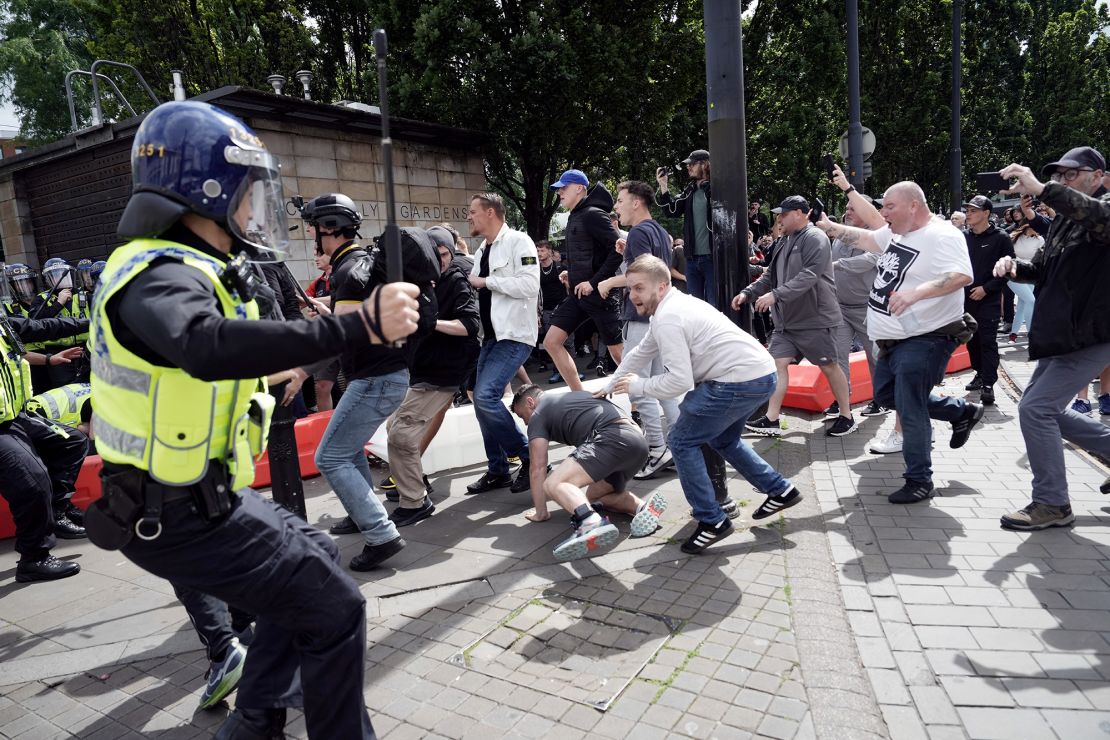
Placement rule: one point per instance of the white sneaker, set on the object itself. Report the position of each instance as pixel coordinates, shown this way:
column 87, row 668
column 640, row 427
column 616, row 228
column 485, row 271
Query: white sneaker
column 658, row 458
column 893, row 443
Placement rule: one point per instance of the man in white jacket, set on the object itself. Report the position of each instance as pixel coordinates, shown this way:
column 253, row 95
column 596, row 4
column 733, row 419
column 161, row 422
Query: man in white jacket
column 506, row 275
column 726, row 375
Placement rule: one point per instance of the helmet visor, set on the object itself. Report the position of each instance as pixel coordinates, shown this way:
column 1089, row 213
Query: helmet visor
column 257, row 210
column 23, row 286
column 58, row 278
column 85, row 279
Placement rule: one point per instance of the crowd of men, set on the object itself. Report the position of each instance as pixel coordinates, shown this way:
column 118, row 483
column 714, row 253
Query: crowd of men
column 195, row 334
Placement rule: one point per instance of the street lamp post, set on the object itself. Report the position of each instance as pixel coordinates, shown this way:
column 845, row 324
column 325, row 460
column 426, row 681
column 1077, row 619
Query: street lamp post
column 955, row 182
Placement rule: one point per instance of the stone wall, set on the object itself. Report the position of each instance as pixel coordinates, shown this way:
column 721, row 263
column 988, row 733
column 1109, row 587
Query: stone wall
column 432, row 183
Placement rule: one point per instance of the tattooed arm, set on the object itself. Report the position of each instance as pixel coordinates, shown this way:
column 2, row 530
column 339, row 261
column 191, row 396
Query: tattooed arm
column 858, row 238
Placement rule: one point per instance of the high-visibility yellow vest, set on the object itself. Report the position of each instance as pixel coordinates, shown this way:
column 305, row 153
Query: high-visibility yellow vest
column 62, row 405
column 15, row 380
column 160, row 419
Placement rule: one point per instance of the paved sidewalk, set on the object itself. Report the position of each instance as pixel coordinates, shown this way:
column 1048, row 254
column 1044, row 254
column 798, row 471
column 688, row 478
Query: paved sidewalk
column 850, row 618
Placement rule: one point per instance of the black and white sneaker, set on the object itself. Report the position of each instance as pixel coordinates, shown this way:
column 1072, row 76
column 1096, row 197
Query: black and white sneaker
column 961, row 429
column 402, row 517
column 658, row 458
column 765, row 426
column 842, row 427
column 705, row 535
column 775, row 504
column 913, row 492
column 833, row 411
column 874, row 409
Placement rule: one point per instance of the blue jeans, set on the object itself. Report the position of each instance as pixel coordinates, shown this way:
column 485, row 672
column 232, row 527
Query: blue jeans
column 1023, row 314
column 699, row 278
column 904, row 380
column 497, row 363
column 714, row 414
column 341, row 456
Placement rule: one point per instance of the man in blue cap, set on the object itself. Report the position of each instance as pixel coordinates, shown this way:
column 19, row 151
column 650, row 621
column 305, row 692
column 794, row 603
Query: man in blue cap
column 591, row 258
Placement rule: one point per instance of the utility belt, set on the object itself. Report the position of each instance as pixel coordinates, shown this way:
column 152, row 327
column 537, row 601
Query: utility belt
column 959, row 331
column 131, row 504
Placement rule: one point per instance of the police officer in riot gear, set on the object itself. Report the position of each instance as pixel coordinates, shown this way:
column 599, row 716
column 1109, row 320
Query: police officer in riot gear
column 59, row 299
column 178, row 358
column 39, row 459
column 21, row 281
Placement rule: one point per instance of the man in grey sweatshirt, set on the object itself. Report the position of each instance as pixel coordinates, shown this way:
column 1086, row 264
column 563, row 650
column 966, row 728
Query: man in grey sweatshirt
column 855, row 273
column 799, row 290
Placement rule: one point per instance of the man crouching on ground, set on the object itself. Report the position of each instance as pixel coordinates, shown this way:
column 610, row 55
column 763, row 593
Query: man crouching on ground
column 610, row 449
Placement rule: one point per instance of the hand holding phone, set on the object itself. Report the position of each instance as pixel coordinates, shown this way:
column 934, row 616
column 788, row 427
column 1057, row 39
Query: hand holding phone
column 817, row 211
column 991, row 182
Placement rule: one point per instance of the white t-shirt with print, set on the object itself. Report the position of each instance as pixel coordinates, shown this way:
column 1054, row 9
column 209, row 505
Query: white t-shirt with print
column 906, row 262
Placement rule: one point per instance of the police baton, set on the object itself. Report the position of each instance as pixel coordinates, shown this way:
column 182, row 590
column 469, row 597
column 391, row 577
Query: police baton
column 392, row 235
column 50, row 295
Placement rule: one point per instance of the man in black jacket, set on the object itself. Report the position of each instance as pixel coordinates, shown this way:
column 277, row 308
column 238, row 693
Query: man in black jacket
column 1070, row 335
column 591, row 258
column 442, row 362
column 695, row 205
column 986, row 244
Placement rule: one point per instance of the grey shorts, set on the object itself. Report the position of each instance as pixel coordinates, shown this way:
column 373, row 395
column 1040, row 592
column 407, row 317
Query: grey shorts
column 816, row 345
column 329, row 373
column 613, row 454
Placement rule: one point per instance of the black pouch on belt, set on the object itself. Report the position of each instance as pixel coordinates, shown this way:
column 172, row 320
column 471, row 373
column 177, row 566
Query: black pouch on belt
column 212, row 493
column 110, row 520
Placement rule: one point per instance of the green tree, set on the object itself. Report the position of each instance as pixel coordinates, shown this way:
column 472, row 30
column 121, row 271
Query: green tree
column 42, row 41
column 555, row 84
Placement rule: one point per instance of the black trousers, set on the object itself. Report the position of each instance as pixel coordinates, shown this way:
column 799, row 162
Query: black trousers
column 310, row 638
column 39, row 463
column 983, row 347
column 216, row 622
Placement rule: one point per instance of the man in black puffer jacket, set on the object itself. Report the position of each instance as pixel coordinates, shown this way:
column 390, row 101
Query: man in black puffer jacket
column 1070, row 335
column 442, row 361
column 591, row 258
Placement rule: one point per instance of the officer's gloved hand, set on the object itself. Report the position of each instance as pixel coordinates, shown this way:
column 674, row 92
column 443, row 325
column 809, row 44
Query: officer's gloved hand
column 391, row 312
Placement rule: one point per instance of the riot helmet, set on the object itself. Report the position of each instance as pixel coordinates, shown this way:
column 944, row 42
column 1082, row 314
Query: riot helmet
column 193, row 157
column 21, row 279
column 57, row 275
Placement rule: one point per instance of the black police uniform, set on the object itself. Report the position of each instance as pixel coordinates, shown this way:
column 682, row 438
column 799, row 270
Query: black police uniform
column 55, row 376
column 39, row 459
column 310, row 635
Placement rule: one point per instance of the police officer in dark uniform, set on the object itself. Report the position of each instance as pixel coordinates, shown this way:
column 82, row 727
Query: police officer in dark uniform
column 177, row 362
column 39, row 459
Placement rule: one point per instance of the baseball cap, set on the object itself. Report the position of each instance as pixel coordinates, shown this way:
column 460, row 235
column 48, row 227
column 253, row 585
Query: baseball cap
column 698, row 155
column 1080, row 156
column 575, row 177
column 982, row 202
column 793, row 203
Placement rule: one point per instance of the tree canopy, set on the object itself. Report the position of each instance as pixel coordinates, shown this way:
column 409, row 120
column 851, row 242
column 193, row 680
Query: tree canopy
column 613, row 88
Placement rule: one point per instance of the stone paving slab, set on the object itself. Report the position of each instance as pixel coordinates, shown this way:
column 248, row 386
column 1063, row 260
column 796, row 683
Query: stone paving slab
column 851, row 618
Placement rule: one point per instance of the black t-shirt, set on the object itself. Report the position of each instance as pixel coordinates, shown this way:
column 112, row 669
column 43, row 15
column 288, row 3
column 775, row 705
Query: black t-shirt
column 551, row 289
column 570, row 418
column 354, row 276
column 485, row 298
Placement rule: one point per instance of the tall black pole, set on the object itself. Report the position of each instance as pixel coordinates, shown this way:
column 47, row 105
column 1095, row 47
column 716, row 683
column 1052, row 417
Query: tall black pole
column 724, row 76
column 855, row 128
column 955, row 182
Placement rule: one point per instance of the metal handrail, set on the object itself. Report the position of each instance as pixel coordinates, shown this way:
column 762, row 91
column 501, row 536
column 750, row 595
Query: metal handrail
column 97, row 112
column 72, row 103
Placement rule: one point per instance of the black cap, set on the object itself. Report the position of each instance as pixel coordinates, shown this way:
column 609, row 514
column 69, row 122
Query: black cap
column 698, row 155
column 1079, row 157
column 793, row 203
column 982, row 202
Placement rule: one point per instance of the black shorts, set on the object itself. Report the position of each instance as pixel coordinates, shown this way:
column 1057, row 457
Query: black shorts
column 614, row 454
column 575, row 311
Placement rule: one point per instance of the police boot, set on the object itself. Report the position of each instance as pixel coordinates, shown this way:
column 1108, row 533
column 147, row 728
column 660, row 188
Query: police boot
column 253, row 724
column 65, row 529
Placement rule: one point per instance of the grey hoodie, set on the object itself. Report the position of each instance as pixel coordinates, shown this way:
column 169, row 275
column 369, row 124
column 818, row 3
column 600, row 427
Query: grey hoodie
column 801, row 277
